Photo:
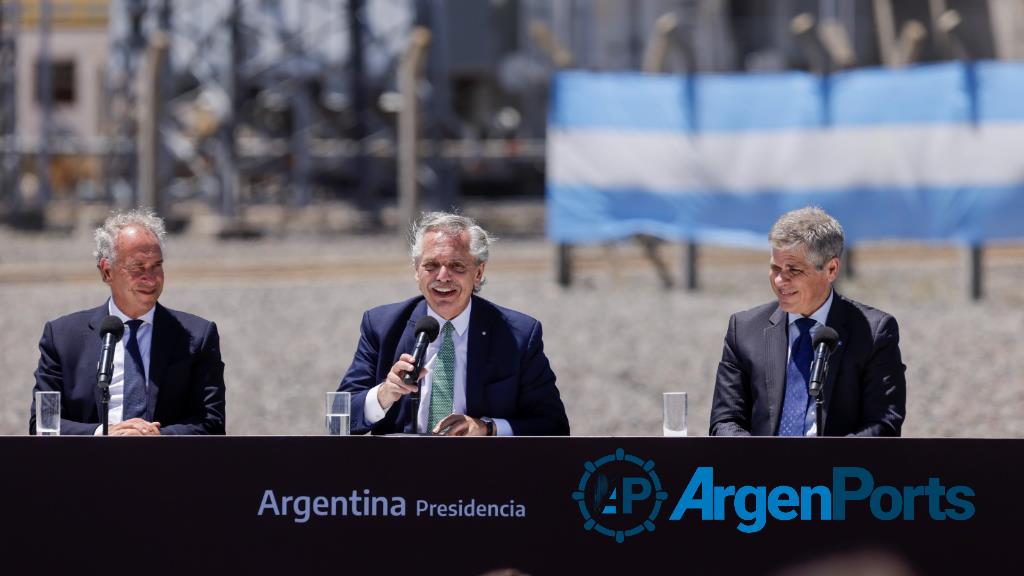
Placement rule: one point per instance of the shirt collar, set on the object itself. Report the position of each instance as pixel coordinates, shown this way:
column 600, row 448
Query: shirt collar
column 460, row 323
column 820, row 315
column 146, row 318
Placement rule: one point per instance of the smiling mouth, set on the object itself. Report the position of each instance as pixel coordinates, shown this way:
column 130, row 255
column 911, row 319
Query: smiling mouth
column 443, row 290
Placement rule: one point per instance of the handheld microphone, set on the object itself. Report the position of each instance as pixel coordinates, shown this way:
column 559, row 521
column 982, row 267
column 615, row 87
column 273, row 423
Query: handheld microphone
column 426, row 332
column 111, row 330
column 823, row 343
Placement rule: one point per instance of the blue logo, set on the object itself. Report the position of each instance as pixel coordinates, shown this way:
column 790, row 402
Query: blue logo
column 619, row 495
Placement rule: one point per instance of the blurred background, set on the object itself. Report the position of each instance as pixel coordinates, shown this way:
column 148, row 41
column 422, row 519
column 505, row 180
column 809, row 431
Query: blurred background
column 289, row 143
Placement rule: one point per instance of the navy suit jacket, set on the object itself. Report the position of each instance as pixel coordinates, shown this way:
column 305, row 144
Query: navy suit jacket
column 507, row 373
column 186, row 374
column 865, row 389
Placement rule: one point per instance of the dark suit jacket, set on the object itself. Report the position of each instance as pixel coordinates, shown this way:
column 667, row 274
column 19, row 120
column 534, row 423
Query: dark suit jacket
column 507, row 373
column 865, row 390
column 186, row 374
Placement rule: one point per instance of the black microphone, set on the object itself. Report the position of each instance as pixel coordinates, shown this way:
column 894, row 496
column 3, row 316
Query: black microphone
column 426, row 332
column 111, row 330
column 823, row 343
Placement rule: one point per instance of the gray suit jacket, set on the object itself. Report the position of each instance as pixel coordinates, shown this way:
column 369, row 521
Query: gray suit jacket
column 865, row 391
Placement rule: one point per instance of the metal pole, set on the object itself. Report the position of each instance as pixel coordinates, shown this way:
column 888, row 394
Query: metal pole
column 659, row 44
column 302, row 164
column 691, row 253
column 446, row 188
column 563, row 259
column 408, row 127
column 1006, row 19
column 974, row 256
column 885, row 24
column 228, row 157
column 360, row 104
column 848, row 263
column 150, row 110
column 9, row 157
column 45, row 72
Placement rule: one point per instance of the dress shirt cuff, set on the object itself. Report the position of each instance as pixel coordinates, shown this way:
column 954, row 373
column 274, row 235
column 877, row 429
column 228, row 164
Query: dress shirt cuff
column 99, row 431
column 373, row 412
column 502, row 427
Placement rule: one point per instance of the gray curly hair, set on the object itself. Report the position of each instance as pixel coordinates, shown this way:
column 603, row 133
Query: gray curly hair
column 811, row 228
column 106, row 235
column 451, row 224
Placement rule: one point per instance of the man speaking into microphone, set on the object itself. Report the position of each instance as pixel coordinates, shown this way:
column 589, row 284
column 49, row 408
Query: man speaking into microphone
column 165, row 376
column 485, row 373
column 764, row 381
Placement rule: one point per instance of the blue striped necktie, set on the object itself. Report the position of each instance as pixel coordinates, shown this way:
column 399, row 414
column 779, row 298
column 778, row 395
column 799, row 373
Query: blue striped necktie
column 134, row 375
column 798, row 373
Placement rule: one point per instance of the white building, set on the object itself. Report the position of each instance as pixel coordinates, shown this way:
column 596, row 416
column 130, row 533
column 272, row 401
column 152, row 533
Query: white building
column 78, row 46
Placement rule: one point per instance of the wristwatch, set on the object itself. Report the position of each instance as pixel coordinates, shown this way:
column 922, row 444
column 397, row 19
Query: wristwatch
column 490, row 425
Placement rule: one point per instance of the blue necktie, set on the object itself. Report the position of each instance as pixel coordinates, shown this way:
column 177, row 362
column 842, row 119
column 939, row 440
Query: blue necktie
column 798, row 374
column 134, row 376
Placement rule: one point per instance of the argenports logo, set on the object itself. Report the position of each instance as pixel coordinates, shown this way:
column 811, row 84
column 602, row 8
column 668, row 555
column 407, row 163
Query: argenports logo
column 619, row 495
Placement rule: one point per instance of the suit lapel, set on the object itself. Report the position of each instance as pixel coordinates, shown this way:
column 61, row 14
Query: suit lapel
column 91, row 337
column 161, row 344
column 405, row 345
column 478, row 347
column 776, row 345
column 837, row 320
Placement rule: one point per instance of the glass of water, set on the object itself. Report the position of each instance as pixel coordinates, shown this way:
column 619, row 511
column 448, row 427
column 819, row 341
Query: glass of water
column 47, row 413
column 674, row 415
column 337, row 410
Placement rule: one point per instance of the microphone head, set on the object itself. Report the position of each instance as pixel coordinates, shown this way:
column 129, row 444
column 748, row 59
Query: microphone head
column 826, row 336
column 112, row 325
column 428, row 326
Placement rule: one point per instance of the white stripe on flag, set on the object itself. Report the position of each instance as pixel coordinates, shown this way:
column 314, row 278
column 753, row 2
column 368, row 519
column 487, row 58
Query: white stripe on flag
column 746, row 162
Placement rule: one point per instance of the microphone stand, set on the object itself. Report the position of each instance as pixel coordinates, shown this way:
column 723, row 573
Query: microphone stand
column 105, row 404
column 819, row 399
column 819, row 408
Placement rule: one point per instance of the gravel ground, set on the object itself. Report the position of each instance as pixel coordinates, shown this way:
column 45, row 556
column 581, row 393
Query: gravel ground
column 289, row 309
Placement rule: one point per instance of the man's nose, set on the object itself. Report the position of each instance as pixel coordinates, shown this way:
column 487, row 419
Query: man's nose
column 443, row 273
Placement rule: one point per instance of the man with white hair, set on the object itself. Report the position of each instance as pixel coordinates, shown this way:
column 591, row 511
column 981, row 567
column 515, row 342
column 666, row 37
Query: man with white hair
column 487, row 376
column 762, row 384
column 168, row 377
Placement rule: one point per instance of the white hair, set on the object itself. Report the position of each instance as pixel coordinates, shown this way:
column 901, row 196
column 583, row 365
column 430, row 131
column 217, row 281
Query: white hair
column 106, row 235
column 812, row 229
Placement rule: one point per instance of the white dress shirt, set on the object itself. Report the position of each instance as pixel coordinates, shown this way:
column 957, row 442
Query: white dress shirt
column 115, row 410
column 819, row 316
column 372, row 410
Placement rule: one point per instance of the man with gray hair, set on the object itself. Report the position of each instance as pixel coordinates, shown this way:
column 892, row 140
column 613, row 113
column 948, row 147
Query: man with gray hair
column 486, row 373
column 168, row 377
column 762, row 384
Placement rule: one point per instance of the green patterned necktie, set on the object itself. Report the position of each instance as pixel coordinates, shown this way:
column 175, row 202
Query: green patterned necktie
column 442, row 385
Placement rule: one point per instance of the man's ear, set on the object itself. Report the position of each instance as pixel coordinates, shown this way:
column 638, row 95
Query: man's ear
column 105, row 270
column 833, row 267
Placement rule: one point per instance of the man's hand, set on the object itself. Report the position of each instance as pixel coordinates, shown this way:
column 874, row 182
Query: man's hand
column 460, row 425
column 135, row 427
column 392, row 389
